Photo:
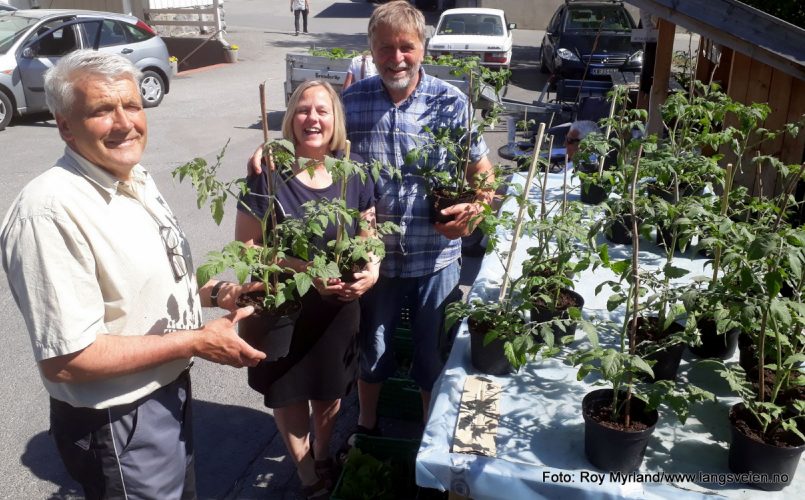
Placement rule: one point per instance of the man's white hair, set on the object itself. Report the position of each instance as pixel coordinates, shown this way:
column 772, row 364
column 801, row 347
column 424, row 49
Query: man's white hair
column 60, row 79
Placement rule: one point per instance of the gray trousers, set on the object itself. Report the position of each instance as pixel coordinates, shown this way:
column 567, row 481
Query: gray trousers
column 141, row 450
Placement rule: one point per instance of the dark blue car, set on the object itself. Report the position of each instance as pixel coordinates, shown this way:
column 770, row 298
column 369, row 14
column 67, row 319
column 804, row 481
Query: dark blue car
column 592, row 35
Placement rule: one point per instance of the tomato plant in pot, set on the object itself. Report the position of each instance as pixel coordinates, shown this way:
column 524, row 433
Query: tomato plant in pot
column 768, row 425
column 561, row 250
column 599, row 157
column 685, row 163
column 619, row 420
column 357, row 240
column 497, row 322
column 276, row 308
column 444, row 158
column 501, row 338
column 714, row 222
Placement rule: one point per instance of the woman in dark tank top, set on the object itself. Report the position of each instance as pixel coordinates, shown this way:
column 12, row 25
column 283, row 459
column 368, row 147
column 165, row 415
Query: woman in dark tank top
column 321, row 366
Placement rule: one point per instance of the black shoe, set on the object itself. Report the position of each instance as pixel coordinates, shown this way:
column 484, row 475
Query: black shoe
column 296, row 34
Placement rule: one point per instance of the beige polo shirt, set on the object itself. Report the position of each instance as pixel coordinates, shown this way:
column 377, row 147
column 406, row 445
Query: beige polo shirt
column 86, row 254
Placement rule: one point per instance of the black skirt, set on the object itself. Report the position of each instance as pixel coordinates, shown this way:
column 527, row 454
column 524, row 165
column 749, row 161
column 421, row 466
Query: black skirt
column 322, row 362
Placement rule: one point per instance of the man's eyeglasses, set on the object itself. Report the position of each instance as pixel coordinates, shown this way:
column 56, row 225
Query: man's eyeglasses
column 173, row 246
column 572, row 140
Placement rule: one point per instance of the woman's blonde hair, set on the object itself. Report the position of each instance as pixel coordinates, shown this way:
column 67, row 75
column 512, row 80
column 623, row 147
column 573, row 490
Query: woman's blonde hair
column 400, row 15
column 339, row 139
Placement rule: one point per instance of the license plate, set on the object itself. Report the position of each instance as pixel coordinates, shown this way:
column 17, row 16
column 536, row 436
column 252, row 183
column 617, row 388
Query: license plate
column 604, row 71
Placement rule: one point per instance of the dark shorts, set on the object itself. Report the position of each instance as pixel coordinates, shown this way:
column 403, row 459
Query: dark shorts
column 142, row 449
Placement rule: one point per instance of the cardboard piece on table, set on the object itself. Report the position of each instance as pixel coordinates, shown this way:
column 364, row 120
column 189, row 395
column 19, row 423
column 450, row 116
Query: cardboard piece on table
column 478, row 417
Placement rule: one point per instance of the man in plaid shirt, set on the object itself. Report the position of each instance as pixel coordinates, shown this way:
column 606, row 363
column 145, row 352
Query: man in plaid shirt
column 386, row 117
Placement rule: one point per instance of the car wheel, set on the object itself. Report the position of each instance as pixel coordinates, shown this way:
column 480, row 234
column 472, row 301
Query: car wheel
column 152, row 88
column 6, row 110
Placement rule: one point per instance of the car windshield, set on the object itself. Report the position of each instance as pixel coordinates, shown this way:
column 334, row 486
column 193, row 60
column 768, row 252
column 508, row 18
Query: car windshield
column 12, row 27
column 471, row 24
column 591, row 18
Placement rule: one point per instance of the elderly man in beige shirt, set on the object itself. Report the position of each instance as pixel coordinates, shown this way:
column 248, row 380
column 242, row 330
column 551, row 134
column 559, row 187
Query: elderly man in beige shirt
column 103, row 276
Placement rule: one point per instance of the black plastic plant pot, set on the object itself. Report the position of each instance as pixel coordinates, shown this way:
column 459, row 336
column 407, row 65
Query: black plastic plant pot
column 664, row 236
column 609, row 447
column 773, row 466
column 593, row 194
column 667, row 194
column 715, row 345
column 667, row 362
column 667, row 359
column 270, row 333
column 441, row 199
column 747, row 356
column 620, row 230
column 490, row 358
column 542, row 313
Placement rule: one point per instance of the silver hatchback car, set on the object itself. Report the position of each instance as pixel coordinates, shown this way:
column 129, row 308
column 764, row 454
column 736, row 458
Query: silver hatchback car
column 31, row 41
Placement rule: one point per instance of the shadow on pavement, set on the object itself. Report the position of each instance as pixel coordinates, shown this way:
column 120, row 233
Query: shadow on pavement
column 228, row 440
column 43, row 460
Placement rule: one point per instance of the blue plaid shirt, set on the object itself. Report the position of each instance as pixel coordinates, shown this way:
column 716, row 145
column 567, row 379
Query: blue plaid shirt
column 380, row 130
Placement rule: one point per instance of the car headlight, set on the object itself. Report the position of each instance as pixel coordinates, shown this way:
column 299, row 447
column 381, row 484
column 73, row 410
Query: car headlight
column 566, row 55
column 637, row 57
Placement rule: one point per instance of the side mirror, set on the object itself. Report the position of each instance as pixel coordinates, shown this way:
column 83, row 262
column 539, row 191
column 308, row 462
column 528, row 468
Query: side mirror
column 28, row 53
column 512, row 26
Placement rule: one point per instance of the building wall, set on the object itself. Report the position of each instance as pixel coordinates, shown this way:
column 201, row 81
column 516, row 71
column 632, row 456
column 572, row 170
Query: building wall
column 102, row 5
column 753, row 81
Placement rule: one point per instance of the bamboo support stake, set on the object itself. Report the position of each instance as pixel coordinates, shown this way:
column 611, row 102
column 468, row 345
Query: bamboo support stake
column 521, row 213
column 263, row 115
column 608, row 130
column 271, row 187
column 543, row 204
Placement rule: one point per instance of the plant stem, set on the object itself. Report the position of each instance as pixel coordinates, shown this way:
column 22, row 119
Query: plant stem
column 339, row 230
column 564, row 186
column 464, row 180
column 635, row 287
column 792, row 183
column 725, row 200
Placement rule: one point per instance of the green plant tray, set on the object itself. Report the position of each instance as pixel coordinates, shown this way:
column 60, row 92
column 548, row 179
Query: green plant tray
column 400, row 453
column 403, row 347
column 400, row 398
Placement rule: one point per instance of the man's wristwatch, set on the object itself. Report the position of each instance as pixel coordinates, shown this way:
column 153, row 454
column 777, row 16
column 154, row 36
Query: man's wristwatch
column 216, row 289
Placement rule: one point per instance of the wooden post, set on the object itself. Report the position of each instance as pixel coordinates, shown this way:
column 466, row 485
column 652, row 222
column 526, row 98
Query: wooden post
column 662, row 72
column 216, row 15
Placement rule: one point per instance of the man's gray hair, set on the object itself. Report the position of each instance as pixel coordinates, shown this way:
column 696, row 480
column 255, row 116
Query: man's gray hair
column 60, row 79
column 400, row 15
column 583, row 128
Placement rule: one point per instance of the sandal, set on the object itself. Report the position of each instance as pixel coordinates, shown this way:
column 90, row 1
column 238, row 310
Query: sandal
column 316, row 491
